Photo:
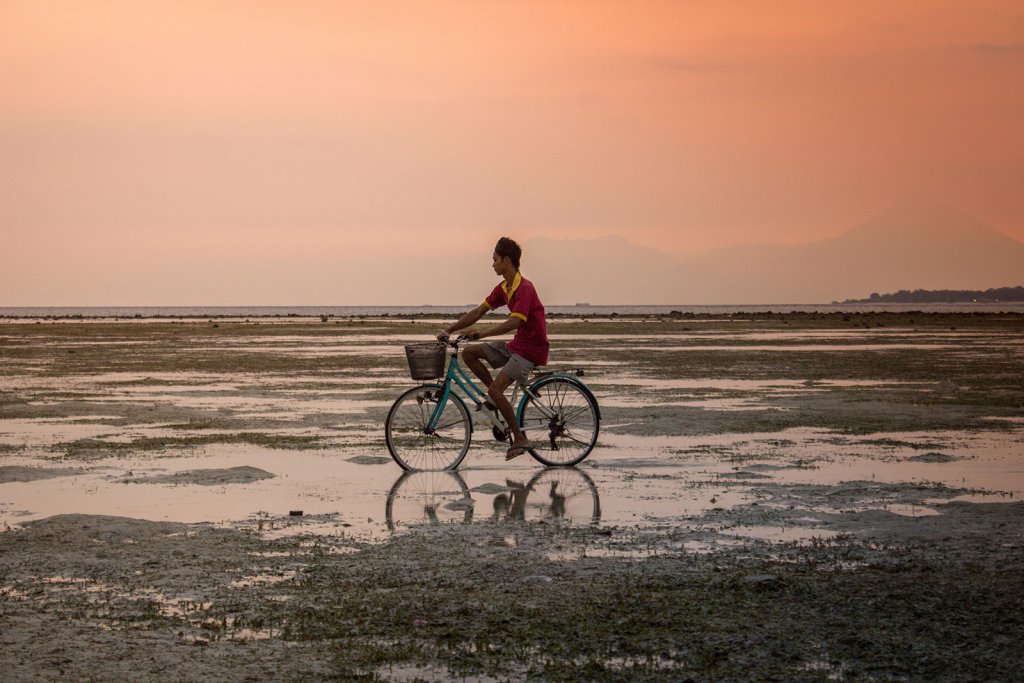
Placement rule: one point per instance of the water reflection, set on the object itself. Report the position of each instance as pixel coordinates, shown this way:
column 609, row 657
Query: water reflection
column 428, row 497
column 563, row 494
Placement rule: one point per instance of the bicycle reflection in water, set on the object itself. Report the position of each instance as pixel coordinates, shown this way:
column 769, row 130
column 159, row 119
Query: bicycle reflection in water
column 442, row 496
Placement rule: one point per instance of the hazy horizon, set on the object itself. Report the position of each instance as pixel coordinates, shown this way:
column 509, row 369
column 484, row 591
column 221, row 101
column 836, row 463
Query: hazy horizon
column 545, row 260
column 158, row 153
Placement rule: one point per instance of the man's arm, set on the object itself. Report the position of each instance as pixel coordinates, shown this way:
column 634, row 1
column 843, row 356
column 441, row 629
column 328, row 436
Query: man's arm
column 468, row 319
column 510, row 325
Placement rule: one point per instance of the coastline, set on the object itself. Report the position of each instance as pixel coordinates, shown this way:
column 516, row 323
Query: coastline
column 563, row 311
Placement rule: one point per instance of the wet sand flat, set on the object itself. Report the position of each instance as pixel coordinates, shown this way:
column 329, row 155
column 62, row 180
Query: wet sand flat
column 773, row 496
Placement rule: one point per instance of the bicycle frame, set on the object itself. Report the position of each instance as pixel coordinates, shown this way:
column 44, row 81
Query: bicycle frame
column 459, row 377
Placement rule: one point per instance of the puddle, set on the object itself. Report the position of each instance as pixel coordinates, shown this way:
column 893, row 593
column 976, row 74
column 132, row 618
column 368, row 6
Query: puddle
column 629, row 481
column 911, row 510
column 779, row 534
column 262, row 579
column 882, row 346
column 702, row 383
column 184, row 607
column 41, row 433
column 282, row 403
column 428, row 674
column 309, row 481
column 722, row 404
column 307, row 351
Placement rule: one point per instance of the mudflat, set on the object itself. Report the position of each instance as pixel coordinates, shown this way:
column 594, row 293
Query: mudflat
column 773, row 497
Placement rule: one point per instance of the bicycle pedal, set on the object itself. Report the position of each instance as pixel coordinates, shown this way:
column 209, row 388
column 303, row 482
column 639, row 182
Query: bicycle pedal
column 500, row 435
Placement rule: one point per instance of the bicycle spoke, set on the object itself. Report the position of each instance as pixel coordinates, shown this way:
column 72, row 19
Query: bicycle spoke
column 568, row 416
column 573, row 438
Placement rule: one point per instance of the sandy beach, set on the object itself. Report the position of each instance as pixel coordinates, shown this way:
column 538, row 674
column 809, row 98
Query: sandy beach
column 778, row 496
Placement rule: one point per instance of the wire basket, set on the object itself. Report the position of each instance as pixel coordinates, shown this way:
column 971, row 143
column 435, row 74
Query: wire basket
column 426, row 361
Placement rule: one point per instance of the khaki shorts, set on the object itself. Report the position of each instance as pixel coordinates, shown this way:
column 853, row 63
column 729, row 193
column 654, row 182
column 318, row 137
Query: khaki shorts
column 513, row 365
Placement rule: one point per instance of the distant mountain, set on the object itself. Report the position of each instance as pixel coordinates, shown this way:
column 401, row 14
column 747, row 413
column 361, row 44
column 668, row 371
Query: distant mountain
column 920, row 296
column 904, row 248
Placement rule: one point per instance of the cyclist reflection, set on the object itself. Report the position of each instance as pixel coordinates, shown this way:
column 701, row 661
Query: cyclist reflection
column 557, row 501
column 511, row 506
column 435, row 497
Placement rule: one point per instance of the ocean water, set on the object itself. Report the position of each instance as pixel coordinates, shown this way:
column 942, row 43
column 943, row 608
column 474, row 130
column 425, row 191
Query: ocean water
column 401, row 311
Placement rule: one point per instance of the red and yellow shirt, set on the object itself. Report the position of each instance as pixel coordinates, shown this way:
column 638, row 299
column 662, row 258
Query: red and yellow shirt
column 531, row 338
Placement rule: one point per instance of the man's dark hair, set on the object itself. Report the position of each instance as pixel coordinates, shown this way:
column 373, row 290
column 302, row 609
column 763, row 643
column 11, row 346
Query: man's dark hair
column 507, row 246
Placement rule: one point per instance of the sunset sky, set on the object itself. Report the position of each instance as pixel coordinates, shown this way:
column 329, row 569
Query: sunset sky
column 258, row 152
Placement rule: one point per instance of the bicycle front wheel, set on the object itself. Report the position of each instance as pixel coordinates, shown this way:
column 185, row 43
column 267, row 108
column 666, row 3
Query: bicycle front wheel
column 561, row 419
column 412, row 443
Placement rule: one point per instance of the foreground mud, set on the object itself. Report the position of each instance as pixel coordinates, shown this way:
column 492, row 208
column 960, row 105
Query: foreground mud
column 776, row 497
column 93, row 598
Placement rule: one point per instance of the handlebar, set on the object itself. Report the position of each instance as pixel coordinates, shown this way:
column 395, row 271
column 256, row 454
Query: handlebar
column 446, row 339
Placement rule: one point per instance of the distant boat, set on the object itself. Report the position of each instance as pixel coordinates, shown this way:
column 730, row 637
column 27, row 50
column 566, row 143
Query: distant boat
column 583, row 304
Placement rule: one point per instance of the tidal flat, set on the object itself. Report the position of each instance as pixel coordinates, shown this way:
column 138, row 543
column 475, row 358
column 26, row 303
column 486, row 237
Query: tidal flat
column 787, row 496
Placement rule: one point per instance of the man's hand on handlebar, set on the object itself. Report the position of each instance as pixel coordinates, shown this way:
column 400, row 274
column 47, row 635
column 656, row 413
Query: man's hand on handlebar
column 467, row 335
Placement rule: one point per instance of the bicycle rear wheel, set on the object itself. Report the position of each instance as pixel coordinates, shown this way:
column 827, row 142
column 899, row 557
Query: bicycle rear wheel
column 415, row 446
column 561, row 418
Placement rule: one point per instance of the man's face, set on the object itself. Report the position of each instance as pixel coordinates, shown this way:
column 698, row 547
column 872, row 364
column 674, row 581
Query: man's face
column 499, row 263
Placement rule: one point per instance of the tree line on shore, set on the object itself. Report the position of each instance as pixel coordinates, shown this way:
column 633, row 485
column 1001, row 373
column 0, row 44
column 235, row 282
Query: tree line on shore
column 944, row 296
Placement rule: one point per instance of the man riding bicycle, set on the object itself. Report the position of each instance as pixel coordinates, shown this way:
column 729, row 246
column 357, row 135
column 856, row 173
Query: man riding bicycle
column 528, row 348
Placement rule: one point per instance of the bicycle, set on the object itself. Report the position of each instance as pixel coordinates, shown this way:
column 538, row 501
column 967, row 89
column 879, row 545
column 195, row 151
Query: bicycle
column 431, row 427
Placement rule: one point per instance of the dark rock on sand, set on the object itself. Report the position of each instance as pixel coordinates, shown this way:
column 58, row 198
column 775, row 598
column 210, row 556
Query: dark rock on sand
column 212, row 477
column 11, row 473
column 369, row 460
column 933, row 457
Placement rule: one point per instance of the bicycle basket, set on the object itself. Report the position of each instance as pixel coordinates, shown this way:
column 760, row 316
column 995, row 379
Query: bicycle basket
column 426, row 361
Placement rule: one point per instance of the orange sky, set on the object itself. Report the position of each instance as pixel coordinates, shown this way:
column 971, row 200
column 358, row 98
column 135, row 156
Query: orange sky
column 248, row 152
